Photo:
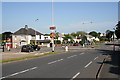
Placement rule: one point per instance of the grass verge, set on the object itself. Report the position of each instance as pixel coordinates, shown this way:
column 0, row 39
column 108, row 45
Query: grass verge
column 27, row 57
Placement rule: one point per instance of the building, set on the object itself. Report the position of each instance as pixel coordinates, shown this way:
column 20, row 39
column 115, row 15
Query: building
column 7, row 39
column 28, row 36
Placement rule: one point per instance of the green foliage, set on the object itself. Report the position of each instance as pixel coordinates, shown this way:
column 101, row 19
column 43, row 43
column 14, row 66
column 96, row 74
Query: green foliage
column 74, row 34
column 109, row 34
column 67, row 36
column 57, row 42
column 79, row 33
column 57, row 35
column 99, row 34
column 84, row 38
column 82, row 33
column 117, row 31
column 0, row 38
column 103, row 38
column 94, row 34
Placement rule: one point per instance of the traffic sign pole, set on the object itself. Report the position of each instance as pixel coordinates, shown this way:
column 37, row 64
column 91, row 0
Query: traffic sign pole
column 52, row 28
column 52, row 35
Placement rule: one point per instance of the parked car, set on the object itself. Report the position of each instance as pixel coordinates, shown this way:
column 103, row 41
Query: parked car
column 36, row 47
column 26, row 48
column 76, row 44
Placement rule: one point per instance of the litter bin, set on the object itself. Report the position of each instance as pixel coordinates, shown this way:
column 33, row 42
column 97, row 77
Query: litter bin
column 66, row 48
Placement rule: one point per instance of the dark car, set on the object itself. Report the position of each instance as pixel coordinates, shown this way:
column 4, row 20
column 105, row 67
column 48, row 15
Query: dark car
column 35, row 47
column 76, row 44
column 26, row 48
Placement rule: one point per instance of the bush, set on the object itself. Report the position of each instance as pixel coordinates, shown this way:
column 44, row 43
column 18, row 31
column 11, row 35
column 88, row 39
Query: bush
column 58, row 42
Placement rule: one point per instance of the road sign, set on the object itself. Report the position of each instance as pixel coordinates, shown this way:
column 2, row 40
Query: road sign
column 52, row 35
column 52, row 28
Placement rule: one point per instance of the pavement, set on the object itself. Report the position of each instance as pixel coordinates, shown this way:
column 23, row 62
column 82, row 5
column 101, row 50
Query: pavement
column 111, row 65
column 16, row 53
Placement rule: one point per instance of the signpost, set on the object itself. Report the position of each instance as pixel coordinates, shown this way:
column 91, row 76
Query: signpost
column 52, row 28
column 52, row 35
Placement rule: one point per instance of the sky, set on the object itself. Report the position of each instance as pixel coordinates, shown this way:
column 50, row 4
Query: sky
column 68, row 16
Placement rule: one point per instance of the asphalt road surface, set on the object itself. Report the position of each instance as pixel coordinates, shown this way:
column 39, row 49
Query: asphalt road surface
column 73, row 64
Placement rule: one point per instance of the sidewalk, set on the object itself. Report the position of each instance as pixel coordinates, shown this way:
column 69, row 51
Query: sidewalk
column 16, row 53
column 111, row 66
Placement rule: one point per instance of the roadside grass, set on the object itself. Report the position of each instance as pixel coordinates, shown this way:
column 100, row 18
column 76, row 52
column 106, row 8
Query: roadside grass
column 27, row 57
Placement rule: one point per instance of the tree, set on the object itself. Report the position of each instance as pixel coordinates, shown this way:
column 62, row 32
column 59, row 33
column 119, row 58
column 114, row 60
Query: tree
column 74, row 34
column 99, row 34
column 94, row 34
column 56, row 35
column 117, row 31
column 109, row 34
column 67, row 36
column 82, row 33
column 78, row 34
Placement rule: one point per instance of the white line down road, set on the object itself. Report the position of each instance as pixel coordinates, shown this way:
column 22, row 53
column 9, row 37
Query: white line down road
column 55, row 61
column 71, row 56
column 95, row 58
column 88, row 64
column 19, row 72
column 75, row 76
column 81, row 53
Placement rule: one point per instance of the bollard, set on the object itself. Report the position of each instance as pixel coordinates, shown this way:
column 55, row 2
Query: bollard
column 66, row 48
column 3, row 48
column 8, row 48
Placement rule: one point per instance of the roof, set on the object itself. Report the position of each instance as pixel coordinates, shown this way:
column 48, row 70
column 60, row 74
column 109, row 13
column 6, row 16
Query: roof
column 26, row 31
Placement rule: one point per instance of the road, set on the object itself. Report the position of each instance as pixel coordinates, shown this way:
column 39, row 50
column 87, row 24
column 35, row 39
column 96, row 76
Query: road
column 74, row 64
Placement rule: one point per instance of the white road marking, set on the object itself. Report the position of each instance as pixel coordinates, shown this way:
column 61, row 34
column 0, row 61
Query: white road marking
column 19, row 73
column 71, row 56
column 81, row 53
column 55, row 61
column 88, row 64
column 75, row 76
column 95, row 58
column 60, row 60
column 52, row 62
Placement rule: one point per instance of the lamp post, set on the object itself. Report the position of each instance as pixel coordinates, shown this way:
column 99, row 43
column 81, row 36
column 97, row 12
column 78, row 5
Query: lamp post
column 52, row 35
column 52, row 28
column 35, row 31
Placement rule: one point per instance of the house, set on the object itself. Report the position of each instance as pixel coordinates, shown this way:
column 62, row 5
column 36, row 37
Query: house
column 7, row 39
column 27, row 36
column 60, row 37
column 77, row 39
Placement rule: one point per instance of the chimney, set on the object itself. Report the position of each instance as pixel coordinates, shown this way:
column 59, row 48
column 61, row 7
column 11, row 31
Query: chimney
column 26, row 26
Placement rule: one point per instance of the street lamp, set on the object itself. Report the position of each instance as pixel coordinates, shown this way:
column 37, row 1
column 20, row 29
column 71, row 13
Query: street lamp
column 52, row 28
column 35, row 31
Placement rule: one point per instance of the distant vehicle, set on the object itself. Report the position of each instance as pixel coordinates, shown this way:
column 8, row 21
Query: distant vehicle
column 35, row 47
column 26, row 48
column 76, row 44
